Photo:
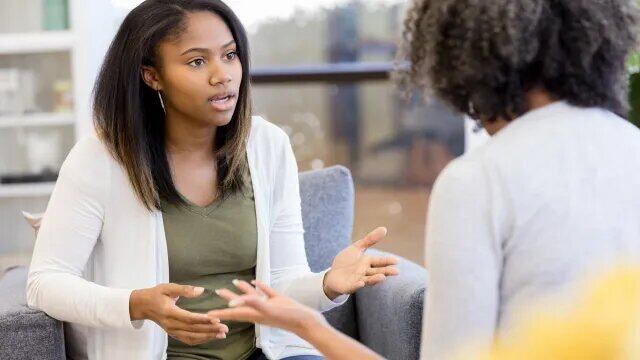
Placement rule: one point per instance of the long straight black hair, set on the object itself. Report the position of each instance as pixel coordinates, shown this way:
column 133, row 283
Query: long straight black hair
column 128, row 115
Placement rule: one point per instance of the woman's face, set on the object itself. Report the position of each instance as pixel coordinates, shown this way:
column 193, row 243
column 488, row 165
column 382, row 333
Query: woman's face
column 200, row 71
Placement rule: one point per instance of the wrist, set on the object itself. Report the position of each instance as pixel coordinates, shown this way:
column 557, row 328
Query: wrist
column 314, row 324
column 136, row 305
column 328, row 291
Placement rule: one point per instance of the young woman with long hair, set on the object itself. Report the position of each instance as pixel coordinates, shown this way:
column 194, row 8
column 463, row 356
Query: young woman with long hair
column 180, row 191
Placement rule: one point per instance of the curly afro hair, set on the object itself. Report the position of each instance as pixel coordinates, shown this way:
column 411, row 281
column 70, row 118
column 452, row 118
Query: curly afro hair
column 483, row 56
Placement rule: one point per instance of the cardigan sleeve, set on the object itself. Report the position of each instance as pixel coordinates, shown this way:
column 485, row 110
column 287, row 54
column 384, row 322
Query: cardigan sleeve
column 290, row 273
column 70, row 229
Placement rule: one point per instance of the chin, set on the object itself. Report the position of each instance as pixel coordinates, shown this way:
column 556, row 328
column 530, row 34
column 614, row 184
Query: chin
column 221, row 120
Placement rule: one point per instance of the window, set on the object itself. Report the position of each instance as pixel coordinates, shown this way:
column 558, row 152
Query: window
column 322, row 74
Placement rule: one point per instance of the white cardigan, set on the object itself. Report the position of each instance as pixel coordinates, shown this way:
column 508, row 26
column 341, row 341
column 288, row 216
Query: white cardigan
column 98, row 242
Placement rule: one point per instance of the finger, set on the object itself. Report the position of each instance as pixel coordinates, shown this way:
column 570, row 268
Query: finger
column 242, row 300
column 196, row 328
column 193, row 338
column 258, row 303
column 374, row 280
column 383, row 261
column 175, row 290
column 387, row 271
column 371, row 239
column 222, row 328
column 242, row 314
column 226, row 294
column 245, row 287
column 188, row 317
column 270, row 292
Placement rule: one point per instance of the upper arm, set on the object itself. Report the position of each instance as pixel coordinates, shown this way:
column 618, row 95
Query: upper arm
column 464, row 261
column 74, row 216
column 287, row 231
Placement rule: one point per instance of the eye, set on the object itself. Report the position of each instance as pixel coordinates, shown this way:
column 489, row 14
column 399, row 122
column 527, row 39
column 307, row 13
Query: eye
column 231, row 55
column 196, row 62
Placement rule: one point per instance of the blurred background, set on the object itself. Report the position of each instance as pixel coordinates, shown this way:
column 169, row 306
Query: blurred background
column 321, row 71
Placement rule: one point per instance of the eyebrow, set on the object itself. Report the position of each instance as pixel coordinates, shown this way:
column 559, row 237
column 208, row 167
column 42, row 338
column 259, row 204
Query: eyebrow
column 205, row 50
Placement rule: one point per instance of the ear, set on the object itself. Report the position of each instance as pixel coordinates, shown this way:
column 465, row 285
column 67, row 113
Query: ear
column 151, row 77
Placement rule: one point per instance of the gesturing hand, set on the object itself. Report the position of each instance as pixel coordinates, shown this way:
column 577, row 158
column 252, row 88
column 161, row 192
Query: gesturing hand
column 271, row 309
column 352, row 269
column 159, row 305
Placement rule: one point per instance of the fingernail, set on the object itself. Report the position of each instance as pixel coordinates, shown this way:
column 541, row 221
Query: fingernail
column 235, row 302
column 235, row 282
column 217, row 291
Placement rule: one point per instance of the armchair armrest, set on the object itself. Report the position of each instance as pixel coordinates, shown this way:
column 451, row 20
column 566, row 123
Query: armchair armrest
column 26, row 333
column 390, row 315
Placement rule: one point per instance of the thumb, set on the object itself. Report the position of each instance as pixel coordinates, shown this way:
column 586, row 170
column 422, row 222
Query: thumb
column 371, row 239
column 177, row 290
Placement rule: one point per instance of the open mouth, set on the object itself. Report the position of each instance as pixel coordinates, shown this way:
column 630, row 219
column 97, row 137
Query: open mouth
column 222, row 102
column 221, row 99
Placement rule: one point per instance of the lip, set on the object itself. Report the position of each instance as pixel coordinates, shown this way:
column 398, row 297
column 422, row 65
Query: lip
column 224, row 101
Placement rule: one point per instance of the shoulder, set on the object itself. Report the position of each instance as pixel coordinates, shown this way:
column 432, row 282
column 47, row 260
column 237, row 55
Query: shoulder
column 461, row 176
column 88, row 164
column 89, row 151
column 264, row 131
column 267, row 138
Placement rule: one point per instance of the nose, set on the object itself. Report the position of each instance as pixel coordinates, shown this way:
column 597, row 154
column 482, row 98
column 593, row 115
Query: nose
column 219, row 76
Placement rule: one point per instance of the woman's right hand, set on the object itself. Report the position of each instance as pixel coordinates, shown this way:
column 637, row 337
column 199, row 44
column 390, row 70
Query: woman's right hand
column 158, row 304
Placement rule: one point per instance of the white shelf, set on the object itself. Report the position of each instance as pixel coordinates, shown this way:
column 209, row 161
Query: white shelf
column 37, row 119
column 46, row 41
column 26, row 190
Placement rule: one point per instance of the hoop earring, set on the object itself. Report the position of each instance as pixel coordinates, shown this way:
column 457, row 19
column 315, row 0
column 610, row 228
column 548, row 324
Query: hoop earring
column 161, row 102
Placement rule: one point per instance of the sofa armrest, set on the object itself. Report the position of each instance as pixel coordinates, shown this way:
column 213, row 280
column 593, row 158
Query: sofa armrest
column 26, row 333
column 390, row 314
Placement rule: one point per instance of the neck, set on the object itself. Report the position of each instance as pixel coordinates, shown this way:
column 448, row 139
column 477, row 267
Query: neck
column 185, row 137
column 536, row 99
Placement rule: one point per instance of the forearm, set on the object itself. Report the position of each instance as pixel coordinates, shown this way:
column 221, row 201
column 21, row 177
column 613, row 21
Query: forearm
column 307, row 288
column 69, row 298
column 333, row 344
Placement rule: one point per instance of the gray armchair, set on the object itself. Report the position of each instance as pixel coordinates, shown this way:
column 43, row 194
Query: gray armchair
column 386, row 318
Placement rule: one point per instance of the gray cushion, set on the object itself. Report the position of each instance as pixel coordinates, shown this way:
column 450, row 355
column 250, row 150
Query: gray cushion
column 327, row 213
column 390, row 315
column 26, row 333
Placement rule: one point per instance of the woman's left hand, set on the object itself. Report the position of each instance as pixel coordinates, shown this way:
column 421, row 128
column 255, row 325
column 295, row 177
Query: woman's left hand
column 352, row 269
column 267, row 307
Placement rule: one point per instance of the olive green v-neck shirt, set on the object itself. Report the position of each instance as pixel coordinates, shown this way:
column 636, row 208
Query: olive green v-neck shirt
column 209, row 247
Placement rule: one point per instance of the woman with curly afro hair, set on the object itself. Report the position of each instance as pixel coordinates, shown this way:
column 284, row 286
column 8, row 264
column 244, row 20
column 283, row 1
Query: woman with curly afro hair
column 551, row 198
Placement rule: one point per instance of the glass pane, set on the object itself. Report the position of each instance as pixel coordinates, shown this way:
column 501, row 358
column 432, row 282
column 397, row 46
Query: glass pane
column 321, row 31
column 393, row 148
